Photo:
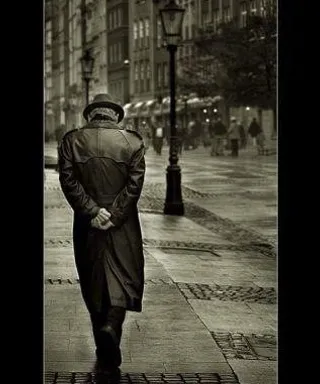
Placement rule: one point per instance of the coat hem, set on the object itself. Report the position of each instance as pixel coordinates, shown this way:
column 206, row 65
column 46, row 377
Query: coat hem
column 133, row 305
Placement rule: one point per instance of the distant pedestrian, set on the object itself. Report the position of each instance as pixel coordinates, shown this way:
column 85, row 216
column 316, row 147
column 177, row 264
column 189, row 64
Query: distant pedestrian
column 159, row 135
column 102, row 170
column 257, row 134
column 180, row 133
column 234, row 137
column 261, row 140
column 254, row 130
column 218, row 133
column 243, row 136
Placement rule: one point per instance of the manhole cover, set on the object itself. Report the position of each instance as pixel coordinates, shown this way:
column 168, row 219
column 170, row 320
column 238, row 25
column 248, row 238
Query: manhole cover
column 247, row 347
column 228, row 293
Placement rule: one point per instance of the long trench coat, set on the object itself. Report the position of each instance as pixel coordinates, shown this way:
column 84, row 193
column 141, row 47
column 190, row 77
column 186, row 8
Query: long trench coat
column 101, row 165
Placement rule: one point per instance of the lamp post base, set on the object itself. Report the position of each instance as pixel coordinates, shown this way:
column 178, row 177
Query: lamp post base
column 173, row 204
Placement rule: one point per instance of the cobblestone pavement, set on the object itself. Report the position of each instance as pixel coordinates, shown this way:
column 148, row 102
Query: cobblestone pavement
column 210, row 313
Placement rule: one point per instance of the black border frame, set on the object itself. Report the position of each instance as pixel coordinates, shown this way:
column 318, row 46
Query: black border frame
column 23, row 185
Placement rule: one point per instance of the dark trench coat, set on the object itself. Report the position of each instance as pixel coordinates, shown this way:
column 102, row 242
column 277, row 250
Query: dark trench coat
column 101, row 165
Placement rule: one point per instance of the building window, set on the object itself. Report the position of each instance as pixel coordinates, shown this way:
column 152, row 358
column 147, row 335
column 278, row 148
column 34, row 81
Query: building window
column 120, row 21
column 193, row 31
column 148, row 74
column 243, row 14
column 226, row 14
column 267, row 7
column 115, row 53
column 186, row 32
column 120, row 52
column 141, row 34
column 61, row 52
column 205, row 12
column 115, row 19
column 135, row 35
column 147, row 31
column 216, row 19
column 165, row 75
column 253, row 7
column 110, row 54
column 142, row 76
column 159, row 33
column 110, row 21
column 136, row 77
column 49, row 33
column 62, row 83
column 159, row 76
column 49, row 82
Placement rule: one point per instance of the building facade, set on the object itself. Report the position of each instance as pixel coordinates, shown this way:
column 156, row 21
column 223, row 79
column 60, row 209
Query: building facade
column 71, row 26
column 118, row 49
column 131, row 61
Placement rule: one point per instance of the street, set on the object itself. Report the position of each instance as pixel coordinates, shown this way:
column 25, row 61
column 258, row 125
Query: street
column 209, row 310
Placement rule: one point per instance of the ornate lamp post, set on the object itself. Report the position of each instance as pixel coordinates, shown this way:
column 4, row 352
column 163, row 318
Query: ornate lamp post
column 87, row 62
column 171, row 18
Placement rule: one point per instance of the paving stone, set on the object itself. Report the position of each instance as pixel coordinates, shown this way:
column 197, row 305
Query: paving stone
column 255, row 371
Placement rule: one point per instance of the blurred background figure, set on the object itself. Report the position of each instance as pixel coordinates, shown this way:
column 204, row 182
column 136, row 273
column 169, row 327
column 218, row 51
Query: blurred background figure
column 254, row 130
column 261, row 141
column 243, row 136
column 234, row 137
column 218, row 133
column 144, row 131
column 158, row 129
column 180, row 135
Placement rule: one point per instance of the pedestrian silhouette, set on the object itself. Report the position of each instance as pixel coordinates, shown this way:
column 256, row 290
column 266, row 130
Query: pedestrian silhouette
column 102, row 170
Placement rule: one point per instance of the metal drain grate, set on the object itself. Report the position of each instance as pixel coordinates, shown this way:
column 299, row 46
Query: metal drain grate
column 248, row 347
column 228, row 293
column 140, row 378
column 53, row 243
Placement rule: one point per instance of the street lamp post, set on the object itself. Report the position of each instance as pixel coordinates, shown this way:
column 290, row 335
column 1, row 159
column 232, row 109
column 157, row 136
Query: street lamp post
column 87, row 62
column 171, row 18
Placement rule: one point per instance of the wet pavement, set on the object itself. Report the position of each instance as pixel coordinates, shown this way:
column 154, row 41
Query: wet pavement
column 210, row 305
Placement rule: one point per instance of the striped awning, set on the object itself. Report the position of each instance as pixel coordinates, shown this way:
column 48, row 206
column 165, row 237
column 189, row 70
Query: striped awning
column 149, row 103
column 139, row 104
column 127, row 106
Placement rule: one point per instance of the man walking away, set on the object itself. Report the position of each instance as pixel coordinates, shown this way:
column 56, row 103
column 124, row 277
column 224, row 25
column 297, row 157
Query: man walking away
column 101, row 173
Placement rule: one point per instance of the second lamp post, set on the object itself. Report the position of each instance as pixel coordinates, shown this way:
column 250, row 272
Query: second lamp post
column 87, row 62
column 171, row 18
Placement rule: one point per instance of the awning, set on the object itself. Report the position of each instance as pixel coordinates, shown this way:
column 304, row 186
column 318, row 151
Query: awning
column 149, row 103
column 194, row 100
column 139, row 104
column 127, row 106
column 216, row 99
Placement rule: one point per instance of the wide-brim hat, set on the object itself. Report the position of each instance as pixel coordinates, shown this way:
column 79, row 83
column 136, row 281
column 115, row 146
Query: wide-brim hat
column 104, row 100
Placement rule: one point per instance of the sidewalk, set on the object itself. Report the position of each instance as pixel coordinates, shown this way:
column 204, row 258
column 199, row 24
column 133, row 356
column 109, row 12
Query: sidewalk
column 209, row 310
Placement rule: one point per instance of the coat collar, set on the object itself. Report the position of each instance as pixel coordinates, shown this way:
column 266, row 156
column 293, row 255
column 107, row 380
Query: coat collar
column 108, row 124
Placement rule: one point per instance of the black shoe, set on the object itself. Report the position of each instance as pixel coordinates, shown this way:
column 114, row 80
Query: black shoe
column 109, row 351
column 104, row 376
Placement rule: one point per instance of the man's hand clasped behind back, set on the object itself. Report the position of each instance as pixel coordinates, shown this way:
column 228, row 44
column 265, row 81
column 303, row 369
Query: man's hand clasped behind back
column 102, row 220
